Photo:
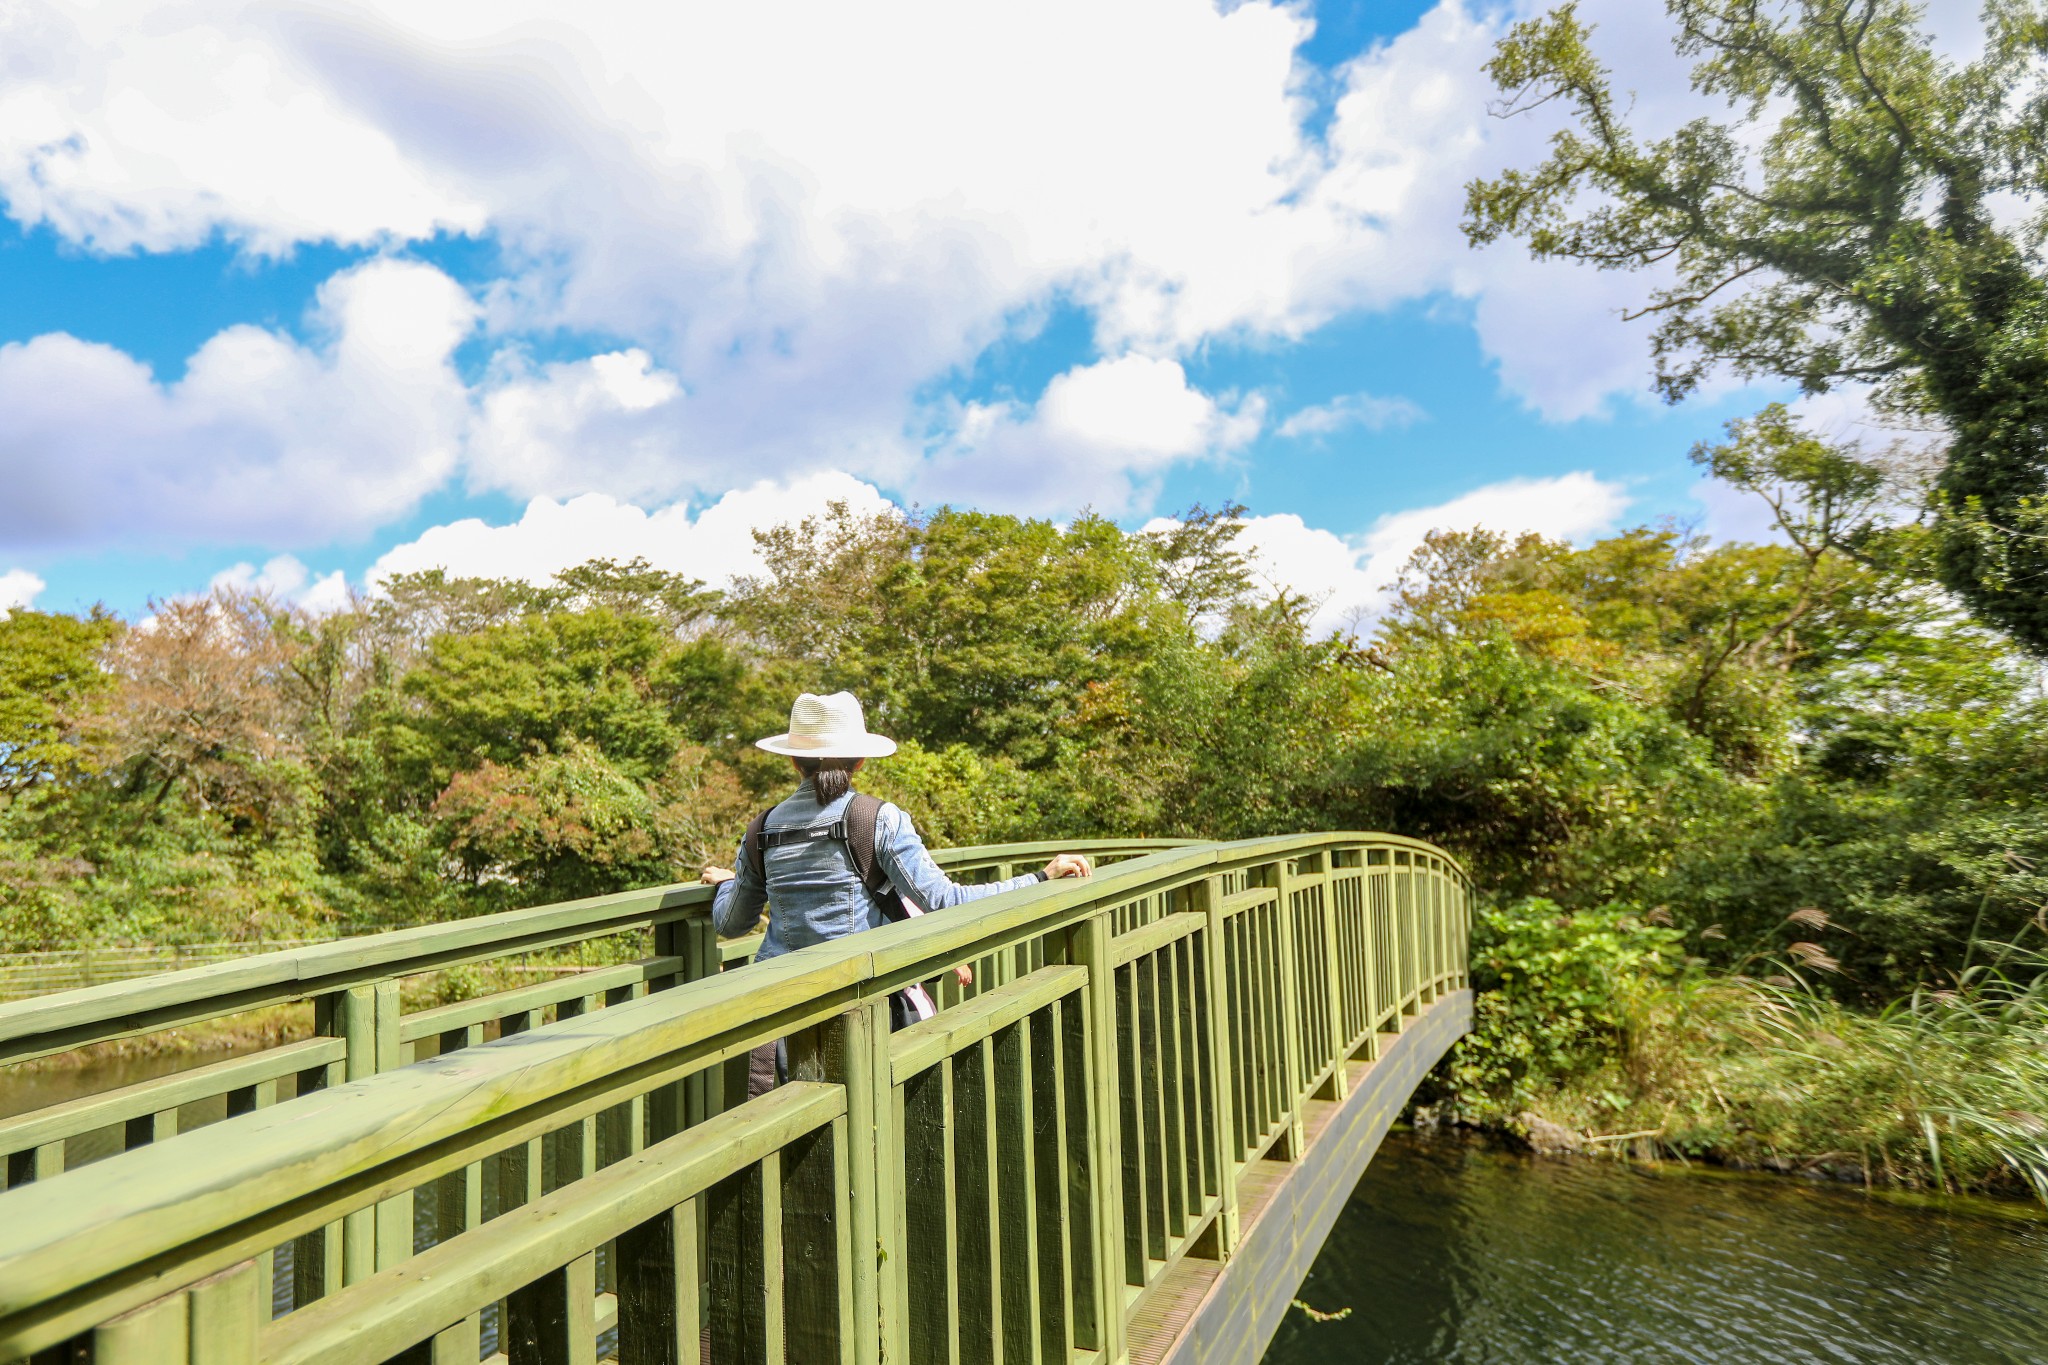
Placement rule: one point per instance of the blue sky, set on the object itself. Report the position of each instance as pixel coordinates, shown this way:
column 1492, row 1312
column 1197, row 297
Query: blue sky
column 299, row 299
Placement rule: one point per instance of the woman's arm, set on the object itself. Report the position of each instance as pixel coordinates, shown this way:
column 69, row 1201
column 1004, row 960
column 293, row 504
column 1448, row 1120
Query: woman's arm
column 924, row 886
column 736, row 908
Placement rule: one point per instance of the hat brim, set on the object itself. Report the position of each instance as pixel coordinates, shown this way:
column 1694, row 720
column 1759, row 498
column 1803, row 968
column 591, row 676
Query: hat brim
column 852, row 746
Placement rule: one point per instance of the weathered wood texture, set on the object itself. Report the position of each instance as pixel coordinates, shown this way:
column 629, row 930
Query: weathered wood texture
column 1039, row 1173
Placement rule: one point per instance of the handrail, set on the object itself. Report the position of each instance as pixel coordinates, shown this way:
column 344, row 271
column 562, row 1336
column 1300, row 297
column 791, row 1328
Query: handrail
column 1100, row 1093
column 354, row 982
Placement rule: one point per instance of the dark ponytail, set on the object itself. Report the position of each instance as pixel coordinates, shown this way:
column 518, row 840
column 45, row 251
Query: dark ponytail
column 831, row 778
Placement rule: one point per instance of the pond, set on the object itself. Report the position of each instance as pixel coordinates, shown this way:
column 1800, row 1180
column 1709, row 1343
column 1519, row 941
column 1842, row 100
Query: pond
column 1455, row 1251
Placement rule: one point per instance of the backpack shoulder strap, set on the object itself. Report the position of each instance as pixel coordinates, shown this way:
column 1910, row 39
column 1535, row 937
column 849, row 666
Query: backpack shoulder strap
column 860, row 840
column 750, row 844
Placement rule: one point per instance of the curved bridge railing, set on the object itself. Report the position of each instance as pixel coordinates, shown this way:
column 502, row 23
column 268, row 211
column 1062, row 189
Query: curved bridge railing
column 353, row 994
column 1028, row 1175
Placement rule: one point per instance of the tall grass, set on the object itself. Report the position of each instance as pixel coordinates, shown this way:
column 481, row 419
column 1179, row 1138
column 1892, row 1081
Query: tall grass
column 1946, row 1089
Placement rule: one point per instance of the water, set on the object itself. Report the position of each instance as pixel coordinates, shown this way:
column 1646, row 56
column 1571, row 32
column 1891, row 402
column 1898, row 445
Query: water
column 1450, row 1251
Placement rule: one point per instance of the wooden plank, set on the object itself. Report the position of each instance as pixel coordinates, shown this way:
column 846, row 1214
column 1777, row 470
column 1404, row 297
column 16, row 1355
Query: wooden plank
column 1084, row 1250
column 811, row 1232
column 976, row 1230
column 538, row 995
column 553, row 1320
column 1149, row 1039
column 738, row 1299
column 1180, row 1200
column 147, row 1128
column 875, row 1169
column 1089, row 947
column 658, row 1277
column 1130, row 1124
column 374, row 1320
column 1251, row 898
column 1216, row 1065
column 157, row 1333
column 1149, row 939
column 1049, row 1154
column 228, row 1313
column 1015, row 1199
column 922, row 1044
column 931, row 1260
column 1190, row 1108
column 35, row 1163
column 88, row 1113
column 460, row 1344
column 57, row 1022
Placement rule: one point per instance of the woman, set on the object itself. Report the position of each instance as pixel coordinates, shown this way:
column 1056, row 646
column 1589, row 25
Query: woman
column 806, row 867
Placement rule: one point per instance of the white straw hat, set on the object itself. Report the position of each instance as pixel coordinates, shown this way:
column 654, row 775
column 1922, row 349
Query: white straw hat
column 827, row 727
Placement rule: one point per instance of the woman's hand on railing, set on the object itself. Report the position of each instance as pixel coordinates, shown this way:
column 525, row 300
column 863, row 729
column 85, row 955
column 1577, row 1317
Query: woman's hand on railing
column 713, row 875
column 1068, row 865
column 964, row 974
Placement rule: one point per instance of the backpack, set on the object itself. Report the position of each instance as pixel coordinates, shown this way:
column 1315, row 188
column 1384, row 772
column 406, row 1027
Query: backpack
column 856, row 829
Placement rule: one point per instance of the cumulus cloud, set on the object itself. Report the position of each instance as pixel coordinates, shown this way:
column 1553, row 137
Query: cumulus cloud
column 1100, row 436
column 1345, row 411
column 715, row 544
column 19, row 588
column 264, row 438
column 795, row 240
column 284, row 578
column 794, row 244
column 1349, row 576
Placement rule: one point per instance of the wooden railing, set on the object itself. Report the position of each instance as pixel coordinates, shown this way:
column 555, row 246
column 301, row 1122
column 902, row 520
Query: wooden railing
column 352, row 989
column 1010, row 1180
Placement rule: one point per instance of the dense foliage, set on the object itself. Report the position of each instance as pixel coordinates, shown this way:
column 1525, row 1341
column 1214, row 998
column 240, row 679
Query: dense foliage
column 1728, row 734
column 1685, row 770
column 1862, row 212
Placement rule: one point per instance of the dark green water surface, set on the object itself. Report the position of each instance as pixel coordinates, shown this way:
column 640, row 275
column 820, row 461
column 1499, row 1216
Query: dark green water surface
column 1454, row 1251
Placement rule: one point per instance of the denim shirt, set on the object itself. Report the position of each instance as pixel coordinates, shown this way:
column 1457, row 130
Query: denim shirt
column 818, row 895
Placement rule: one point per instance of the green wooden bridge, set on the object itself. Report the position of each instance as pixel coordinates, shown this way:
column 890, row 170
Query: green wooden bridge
column 1125, row 1141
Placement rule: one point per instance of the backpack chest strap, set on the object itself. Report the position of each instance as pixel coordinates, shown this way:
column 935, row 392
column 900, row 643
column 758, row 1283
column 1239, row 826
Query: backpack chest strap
column 808, row 834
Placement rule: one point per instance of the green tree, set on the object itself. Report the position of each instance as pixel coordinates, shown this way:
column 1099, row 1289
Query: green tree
column 50, row 677
column 1838, row 227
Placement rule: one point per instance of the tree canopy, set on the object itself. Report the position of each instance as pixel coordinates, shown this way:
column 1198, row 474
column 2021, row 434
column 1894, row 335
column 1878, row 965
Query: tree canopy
column 1865, row 212
column 1724, row 734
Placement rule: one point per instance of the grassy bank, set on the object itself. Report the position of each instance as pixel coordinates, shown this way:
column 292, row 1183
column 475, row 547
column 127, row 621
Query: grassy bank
column 1597, row 1032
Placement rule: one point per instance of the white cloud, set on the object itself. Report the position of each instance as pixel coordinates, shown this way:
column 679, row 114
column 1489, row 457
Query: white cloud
column 263, row 439
column 1367, row 410
column 1349, row 576
column 715, row 545
column 794, row 241
column 19, row 588
column 285, row 579
column 1101, row 436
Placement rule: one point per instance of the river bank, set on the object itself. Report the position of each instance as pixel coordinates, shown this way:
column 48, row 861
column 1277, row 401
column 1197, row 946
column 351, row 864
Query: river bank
column 1593, row 1033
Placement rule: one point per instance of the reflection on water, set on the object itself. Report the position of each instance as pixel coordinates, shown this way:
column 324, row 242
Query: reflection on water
column 1454, row 1251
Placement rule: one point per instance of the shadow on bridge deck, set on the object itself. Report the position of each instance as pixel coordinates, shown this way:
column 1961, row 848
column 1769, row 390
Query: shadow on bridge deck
column 1205, row 1311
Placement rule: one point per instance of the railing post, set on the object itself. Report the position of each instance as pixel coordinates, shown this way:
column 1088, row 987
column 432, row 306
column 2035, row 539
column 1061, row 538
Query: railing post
column 853, row 1051
column 1089, row 946
column 366, row 1019
column 214, row 1322
column 1290, row 1007
column 1333, row 984
column 1209, row 900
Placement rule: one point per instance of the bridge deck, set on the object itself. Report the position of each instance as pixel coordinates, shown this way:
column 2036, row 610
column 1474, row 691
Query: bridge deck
column 1204, row 1310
